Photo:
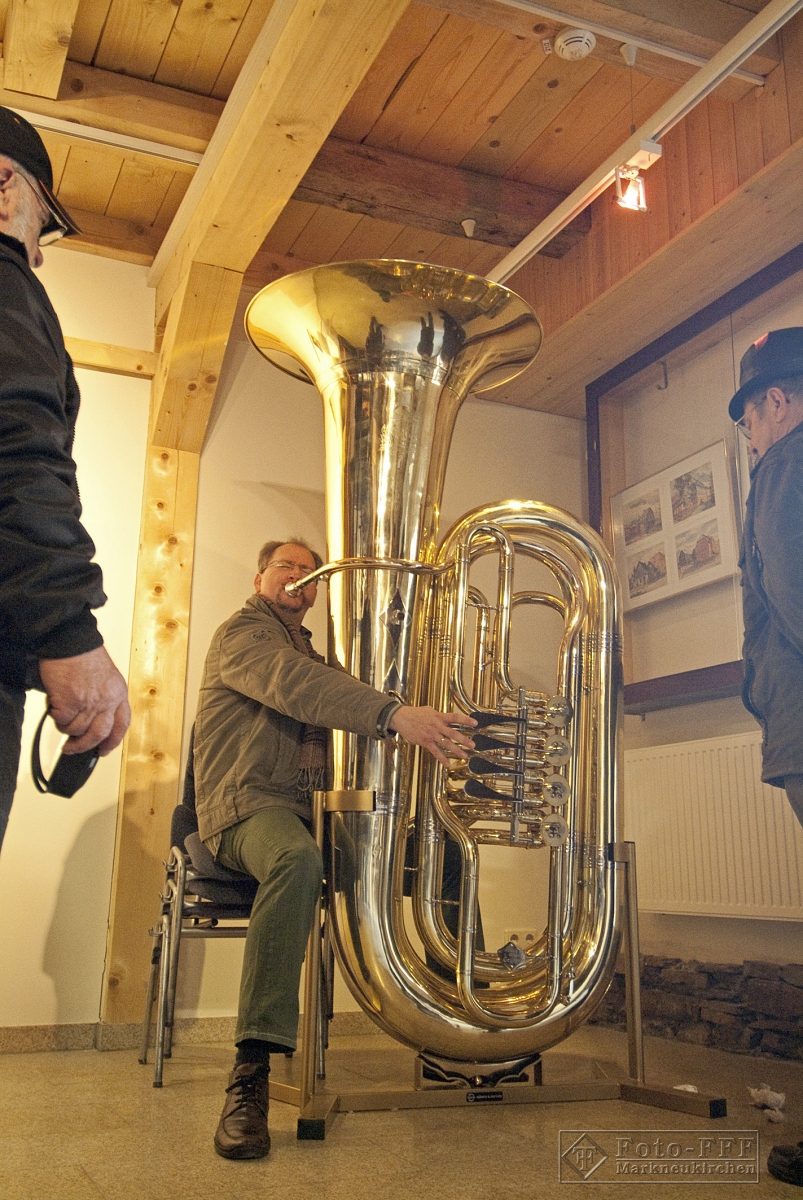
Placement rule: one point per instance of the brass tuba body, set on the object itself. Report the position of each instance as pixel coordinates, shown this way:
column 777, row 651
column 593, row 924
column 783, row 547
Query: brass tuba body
column 394, row 347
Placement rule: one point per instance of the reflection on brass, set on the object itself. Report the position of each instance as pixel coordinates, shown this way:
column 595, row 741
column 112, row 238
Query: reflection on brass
column 350, row 800
column 394, row 348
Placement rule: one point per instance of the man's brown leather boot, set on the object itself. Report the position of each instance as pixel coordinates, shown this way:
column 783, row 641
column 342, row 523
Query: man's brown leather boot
column 243, row 1128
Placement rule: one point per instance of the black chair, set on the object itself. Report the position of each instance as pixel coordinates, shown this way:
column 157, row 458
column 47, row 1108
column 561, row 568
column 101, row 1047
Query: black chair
column 200, row 899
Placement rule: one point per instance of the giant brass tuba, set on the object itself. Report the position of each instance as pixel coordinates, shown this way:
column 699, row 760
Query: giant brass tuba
column 394, row 348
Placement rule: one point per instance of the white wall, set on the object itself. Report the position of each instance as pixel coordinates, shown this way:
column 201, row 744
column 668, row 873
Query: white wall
column 56, row 864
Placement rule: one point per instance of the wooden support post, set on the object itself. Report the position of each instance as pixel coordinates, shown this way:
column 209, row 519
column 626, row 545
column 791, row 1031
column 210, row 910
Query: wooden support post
column 152, row 756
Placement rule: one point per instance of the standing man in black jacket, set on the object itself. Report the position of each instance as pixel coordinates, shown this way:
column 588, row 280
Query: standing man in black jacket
column 49, row 585
column 768, row 410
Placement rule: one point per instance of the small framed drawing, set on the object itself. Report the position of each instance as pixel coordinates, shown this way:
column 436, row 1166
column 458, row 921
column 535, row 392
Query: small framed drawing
column 675, row 531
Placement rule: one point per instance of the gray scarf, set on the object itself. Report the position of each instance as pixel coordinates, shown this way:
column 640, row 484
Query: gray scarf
column 314, row 756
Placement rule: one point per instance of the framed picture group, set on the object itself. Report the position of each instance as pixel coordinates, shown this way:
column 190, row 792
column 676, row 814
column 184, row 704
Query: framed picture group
column 675, row 530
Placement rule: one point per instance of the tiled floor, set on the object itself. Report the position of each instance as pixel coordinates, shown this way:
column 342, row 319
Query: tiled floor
column 83, row 1124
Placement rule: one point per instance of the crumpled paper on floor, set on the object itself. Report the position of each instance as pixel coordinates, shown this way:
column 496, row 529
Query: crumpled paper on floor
column 772, row 1102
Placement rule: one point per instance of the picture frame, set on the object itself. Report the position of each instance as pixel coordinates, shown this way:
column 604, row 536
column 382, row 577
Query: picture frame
column 675, row 530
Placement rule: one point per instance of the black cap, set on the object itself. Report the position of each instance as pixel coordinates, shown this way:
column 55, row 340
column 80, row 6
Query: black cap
column 20, row 141
column 775, row 355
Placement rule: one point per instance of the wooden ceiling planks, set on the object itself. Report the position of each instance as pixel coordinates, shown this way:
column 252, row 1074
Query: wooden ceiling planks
column 603, row 102
column 531, row 111
column 476, row 106
column 200, row 40
column 405, row 45
column 142, row 189
column 460, row 83
column 608, row 136
column 247, row 32
column 134, row 36
column 453, row 57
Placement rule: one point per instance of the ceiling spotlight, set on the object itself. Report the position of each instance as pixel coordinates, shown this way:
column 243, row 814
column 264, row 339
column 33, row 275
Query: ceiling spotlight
column 574, row 44
column 469, row 225
column 630, row 192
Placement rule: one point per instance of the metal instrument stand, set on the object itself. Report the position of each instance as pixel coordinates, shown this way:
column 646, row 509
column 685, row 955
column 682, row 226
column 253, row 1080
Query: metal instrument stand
column 318, row 1107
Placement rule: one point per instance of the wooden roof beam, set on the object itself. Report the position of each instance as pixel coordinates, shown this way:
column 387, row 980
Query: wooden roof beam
column 302, row 70
column 426, row 195
column 304, row 67
column 37, row 37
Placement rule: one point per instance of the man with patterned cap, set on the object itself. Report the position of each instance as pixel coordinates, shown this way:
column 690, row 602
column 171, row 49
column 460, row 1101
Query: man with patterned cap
column 49, row 585
column 768, row 411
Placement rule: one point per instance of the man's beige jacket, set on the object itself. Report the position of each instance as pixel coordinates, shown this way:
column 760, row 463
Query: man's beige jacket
column 258, row 692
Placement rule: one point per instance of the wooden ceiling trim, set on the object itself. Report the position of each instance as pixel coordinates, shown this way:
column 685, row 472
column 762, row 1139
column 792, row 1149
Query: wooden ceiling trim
column 35, row 43
column 302, row 70
column 701, row 28
column 402, row 189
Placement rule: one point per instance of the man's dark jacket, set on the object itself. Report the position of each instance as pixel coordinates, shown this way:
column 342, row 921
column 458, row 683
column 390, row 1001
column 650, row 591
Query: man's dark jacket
column 772, row 582
column 48, row 583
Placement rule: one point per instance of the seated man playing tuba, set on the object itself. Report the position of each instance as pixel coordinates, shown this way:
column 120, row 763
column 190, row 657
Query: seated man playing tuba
column 266, row 702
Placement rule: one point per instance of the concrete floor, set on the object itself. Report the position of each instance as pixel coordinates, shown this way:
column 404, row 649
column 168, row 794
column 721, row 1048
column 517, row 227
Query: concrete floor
column 81, row 1125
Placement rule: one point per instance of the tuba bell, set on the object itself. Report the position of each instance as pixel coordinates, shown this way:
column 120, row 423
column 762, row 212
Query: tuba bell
column 394, row 348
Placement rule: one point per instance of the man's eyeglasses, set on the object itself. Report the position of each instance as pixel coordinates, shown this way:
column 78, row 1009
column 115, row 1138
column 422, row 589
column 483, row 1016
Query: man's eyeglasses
column 289, row 566
column 54, row 227
column 745, row 421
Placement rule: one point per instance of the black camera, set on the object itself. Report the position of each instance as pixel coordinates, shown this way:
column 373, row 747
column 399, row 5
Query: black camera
column 70, row 772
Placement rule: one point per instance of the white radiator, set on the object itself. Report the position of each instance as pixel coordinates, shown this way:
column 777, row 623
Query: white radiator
column 710, row 837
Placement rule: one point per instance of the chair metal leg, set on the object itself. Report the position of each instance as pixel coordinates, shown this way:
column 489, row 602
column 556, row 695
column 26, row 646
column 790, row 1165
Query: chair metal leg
column 161, row 1004
column 178, row 886
column 156, row 951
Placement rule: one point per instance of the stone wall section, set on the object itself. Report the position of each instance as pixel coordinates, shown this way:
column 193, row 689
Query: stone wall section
column 755, row 1008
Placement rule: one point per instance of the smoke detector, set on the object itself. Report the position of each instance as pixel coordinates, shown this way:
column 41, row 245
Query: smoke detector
column 574, row 43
